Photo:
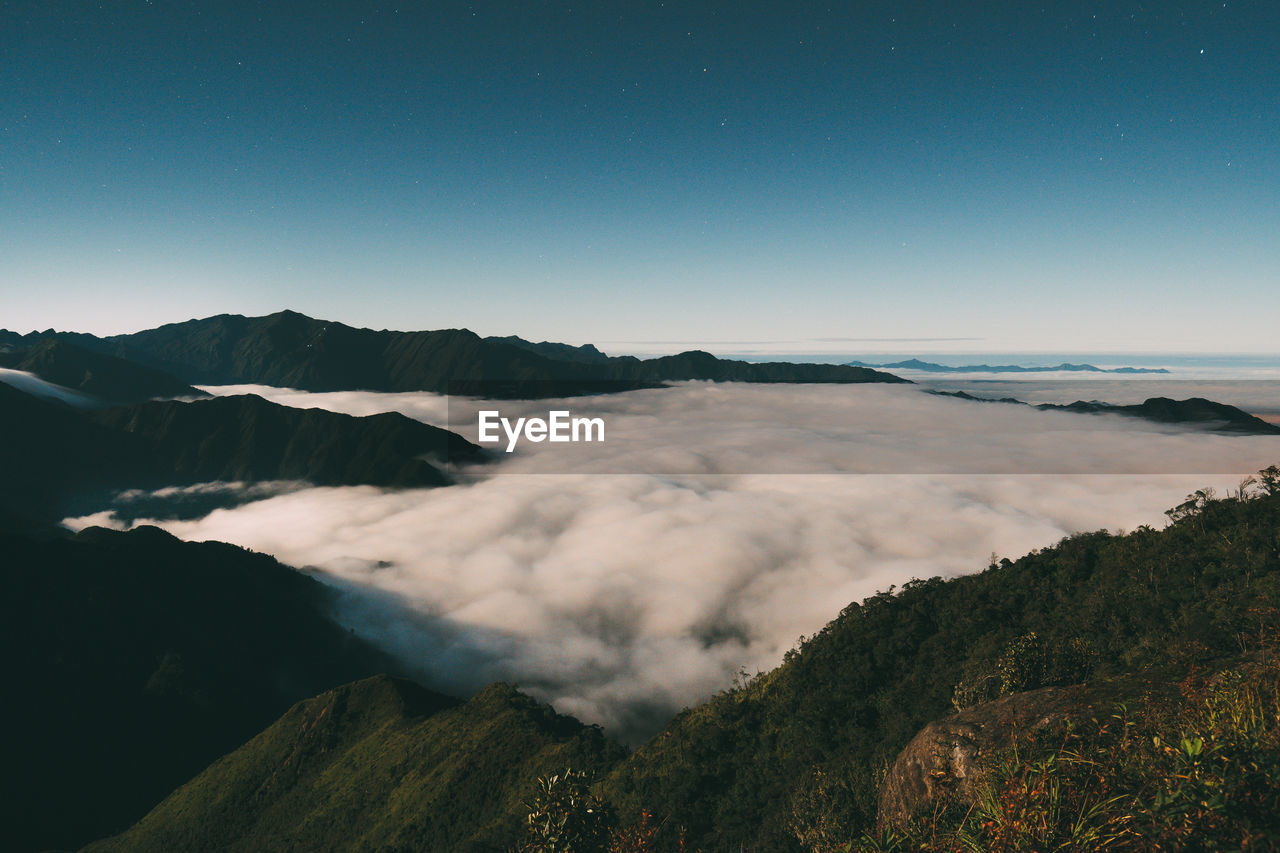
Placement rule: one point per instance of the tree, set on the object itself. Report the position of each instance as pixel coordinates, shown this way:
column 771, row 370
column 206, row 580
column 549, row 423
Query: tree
column 565, row 817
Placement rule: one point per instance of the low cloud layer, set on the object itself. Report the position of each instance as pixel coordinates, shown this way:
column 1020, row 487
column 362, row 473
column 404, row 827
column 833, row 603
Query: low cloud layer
column 698, row 428
column 622, row 597
column 32, row 384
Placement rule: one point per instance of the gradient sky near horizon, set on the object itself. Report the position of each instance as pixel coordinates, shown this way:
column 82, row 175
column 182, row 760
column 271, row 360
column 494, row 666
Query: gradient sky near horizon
column 991, row 176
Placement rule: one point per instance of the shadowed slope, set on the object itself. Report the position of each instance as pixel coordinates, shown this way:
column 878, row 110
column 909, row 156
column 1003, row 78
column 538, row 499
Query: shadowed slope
column 375, row 765
column 132, row 660
column 110, row 379
column 56, row 461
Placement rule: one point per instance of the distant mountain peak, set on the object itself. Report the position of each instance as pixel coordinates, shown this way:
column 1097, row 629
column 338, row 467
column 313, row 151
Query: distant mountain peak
column 1065, row 367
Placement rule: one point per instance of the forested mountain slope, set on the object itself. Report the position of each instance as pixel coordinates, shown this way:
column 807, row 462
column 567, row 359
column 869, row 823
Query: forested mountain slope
column 737, row 769
column 132, row 660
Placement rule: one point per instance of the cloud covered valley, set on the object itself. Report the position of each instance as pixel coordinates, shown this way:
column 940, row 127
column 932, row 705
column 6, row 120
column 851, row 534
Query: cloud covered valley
column 716, row 524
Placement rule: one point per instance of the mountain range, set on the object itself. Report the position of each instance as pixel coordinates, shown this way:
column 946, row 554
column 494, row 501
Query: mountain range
column 165, row 695
column 291, row 350
column 1065, row 367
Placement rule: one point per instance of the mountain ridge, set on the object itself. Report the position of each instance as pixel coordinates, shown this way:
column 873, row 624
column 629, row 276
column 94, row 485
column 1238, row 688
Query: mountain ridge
column 56, row 460
column 112, row 380
column 1195, row 411
column 820, row 728
column 457, row 784
column 288, row 349
column 1065, row 367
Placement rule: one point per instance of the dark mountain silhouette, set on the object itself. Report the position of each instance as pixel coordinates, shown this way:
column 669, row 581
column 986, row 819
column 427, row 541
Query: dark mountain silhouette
column 10, row 341
column 132, row 660
column 55, row 460
column 964, row 395
column 109, row 379
column 248, row 438
column 1065, row 367
column 697, row 364
column 376, row 765
column 585, row 354
column 1194, row 411
column 288, row 349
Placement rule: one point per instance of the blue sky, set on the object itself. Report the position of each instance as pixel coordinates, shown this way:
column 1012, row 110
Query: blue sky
column 1067, row 176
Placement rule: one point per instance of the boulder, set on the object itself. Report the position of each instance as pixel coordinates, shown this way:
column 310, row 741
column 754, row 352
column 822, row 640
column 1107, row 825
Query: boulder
column 945, row 761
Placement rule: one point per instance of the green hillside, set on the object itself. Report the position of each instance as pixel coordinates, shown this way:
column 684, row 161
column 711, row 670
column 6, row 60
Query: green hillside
column 376, row 765
column 736, row 769
column 132, row 660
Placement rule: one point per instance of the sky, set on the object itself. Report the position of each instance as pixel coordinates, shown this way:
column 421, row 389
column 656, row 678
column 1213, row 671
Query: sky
column 913, row 177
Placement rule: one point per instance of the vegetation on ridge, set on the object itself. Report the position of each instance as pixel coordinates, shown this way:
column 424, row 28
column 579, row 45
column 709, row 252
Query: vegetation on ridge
column 379, row 765
column 735, row 770
column 1196, row 770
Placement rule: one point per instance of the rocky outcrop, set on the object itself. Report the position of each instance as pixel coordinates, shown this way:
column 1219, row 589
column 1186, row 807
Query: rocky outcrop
column 945, row 761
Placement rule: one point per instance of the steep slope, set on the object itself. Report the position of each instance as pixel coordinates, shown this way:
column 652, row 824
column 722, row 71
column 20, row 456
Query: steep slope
column 109, row 379
column 55, row 460
column 132, row 660
column 291, row 350
column 746, row 767
column 248, row 438
column 375, row 765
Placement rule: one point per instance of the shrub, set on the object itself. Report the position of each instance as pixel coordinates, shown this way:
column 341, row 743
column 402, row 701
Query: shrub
column 565, row 817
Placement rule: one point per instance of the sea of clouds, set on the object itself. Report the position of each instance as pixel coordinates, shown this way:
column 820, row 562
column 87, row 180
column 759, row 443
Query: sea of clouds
column 715, row 525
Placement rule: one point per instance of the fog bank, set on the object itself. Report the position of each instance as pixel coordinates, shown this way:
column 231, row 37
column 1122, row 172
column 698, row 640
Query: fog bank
column 622, row 597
